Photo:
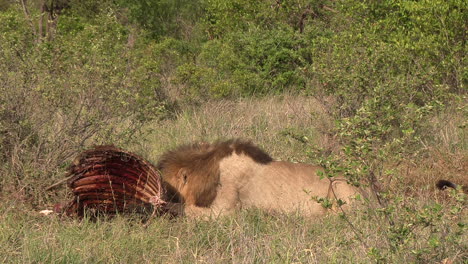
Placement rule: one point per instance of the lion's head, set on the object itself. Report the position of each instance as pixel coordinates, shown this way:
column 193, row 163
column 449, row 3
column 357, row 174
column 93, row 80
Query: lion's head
column 191, row 172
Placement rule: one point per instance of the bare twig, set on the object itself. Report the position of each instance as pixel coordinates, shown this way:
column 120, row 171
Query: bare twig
column 41, row 21
column 62, row 181
column 356, row 231
column 330, row 9
column 28, row 16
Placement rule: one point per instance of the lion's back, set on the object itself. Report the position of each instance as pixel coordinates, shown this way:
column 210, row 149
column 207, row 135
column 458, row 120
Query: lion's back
column 284, row 186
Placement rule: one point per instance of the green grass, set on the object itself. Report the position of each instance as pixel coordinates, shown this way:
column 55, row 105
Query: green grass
column 247, row 237
column 287, row 127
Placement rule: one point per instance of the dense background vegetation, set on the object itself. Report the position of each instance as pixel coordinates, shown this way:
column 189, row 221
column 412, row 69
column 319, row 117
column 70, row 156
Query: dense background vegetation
column 387, row 81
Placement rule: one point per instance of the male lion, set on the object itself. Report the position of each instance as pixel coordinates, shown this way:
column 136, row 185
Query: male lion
column 215, row 179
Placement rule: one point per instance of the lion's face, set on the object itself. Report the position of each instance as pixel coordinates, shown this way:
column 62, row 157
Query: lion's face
column 183, row 185
column 175, row 183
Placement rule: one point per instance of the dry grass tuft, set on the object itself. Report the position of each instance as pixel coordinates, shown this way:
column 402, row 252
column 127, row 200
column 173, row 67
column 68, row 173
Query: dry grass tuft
column 284, row 126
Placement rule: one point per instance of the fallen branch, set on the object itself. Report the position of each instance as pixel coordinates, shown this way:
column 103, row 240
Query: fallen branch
column 62, row 181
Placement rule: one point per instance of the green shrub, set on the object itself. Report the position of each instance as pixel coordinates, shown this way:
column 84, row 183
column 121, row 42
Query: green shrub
column 85, row 86
column 248, row 63
column 165, row 18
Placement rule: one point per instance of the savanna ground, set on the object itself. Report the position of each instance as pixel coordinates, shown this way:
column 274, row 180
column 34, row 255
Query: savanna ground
column 275, row 123
column 373, row 90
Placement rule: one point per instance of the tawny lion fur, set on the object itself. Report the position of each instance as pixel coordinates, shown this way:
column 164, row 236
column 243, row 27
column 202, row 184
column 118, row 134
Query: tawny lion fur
column 216, row 179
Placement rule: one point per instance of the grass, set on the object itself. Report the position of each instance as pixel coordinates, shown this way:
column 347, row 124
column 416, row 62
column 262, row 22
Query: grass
column 247, row 237
column 287, row 127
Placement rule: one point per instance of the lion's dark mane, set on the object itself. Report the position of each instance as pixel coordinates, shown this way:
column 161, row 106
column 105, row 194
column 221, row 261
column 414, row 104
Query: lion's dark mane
column 201, row 161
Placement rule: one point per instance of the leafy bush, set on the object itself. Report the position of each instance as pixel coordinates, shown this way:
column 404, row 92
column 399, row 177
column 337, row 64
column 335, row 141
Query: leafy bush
column 248, row 63
column 85, row 87
column 164, row 18
column 221, row 17
column 389, row 73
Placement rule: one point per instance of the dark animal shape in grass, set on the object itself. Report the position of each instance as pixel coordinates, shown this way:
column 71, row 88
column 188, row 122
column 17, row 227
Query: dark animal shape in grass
column 445, row 184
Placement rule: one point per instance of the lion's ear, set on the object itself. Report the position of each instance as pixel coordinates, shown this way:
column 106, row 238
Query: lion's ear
column 182, row 175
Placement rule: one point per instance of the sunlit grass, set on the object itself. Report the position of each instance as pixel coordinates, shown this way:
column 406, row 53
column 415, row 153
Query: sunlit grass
column 286, row 127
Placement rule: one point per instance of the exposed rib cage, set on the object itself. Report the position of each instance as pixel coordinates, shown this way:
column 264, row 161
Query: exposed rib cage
column 110, row 180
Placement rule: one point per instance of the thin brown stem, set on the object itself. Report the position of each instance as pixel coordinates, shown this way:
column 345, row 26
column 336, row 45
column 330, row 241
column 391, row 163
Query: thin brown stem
column 28, row 16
